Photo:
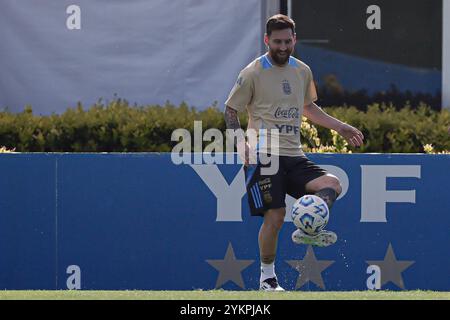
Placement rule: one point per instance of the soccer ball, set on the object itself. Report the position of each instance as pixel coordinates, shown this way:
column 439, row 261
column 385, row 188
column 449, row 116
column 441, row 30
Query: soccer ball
column 310, row 214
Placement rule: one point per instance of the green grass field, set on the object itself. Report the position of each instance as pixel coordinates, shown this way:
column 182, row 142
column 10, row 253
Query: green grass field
column 221, row 295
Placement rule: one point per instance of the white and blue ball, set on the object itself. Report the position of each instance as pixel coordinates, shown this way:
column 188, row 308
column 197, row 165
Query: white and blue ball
column 310, row 214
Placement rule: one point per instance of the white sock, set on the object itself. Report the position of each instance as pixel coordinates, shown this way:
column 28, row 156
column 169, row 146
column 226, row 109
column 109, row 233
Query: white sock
column 267, row 271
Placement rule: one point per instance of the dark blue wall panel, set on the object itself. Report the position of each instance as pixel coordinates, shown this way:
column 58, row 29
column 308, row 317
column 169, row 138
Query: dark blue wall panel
column 27, row 221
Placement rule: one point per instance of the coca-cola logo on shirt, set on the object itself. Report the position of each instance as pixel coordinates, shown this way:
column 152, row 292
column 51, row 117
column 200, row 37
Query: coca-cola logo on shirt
column 291, row 113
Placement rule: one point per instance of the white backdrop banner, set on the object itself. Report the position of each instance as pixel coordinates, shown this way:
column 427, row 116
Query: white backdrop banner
column 55, row 53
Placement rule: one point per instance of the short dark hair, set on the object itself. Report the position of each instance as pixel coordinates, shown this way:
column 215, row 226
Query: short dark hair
column 279, row 22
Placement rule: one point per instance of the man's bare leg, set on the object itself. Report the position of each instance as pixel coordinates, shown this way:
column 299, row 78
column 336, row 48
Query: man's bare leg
column 268, row 240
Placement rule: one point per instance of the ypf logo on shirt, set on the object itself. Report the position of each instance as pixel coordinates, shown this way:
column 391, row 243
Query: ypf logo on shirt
column 286, row 87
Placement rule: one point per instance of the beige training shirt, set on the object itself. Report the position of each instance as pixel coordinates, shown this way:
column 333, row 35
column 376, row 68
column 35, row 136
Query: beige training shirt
column 274, row 98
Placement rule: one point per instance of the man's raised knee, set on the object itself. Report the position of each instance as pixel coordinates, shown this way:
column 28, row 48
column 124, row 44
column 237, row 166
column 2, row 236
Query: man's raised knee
column 336, row 185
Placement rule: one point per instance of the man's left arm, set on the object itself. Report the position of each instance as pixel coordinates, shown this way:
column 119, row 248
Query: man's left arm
column 315, row 113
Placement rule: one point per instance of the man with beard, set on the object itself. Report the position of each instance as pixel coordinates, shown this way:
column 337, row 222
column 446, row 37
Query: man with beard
column 276, row 89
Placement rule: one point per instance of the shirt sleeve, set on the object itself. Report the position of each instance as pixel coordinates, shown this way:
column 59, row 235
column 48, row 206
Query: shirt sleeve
column 242, row 93
column 310, row 89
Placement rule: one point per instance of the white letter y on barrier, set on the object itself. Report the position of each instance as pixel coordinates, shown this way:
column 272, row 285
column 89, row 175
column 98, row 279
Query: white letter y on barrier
column 229, row 197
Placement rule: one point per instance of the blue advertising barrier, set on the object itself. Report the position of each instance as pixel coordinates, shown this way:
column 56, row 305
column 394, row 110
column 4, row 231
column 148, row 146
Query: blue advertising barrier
column 139, row 221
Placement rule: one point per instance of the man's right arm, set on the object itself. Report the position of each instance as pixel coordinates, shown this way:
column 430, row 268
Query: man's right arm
column 239, row 98
column 231, row 118
column 233, row 125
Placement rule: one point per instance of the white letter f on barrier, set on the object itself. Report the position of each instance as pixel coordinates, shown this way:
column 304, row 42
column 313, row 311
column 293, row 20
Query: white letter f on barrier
column 374, row 195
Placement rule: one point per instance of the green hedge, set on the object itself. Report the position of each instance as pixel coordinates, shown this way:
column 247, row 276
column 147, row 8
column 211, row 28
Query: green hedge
column 120, row 127
column 388, row 130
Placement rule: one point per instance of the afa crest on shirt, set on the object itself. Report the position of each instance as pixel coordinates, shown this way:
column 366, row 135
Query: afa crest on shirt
column 286, row 87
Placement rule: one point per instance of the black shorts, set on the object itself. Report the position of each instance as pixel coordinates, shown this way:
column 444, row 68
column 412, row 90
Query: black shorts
column 266, row 192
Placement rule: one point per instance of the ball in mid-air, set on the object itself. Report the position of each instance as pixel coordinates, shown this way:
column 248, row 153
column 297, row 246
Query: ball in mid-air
column 310, row 214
